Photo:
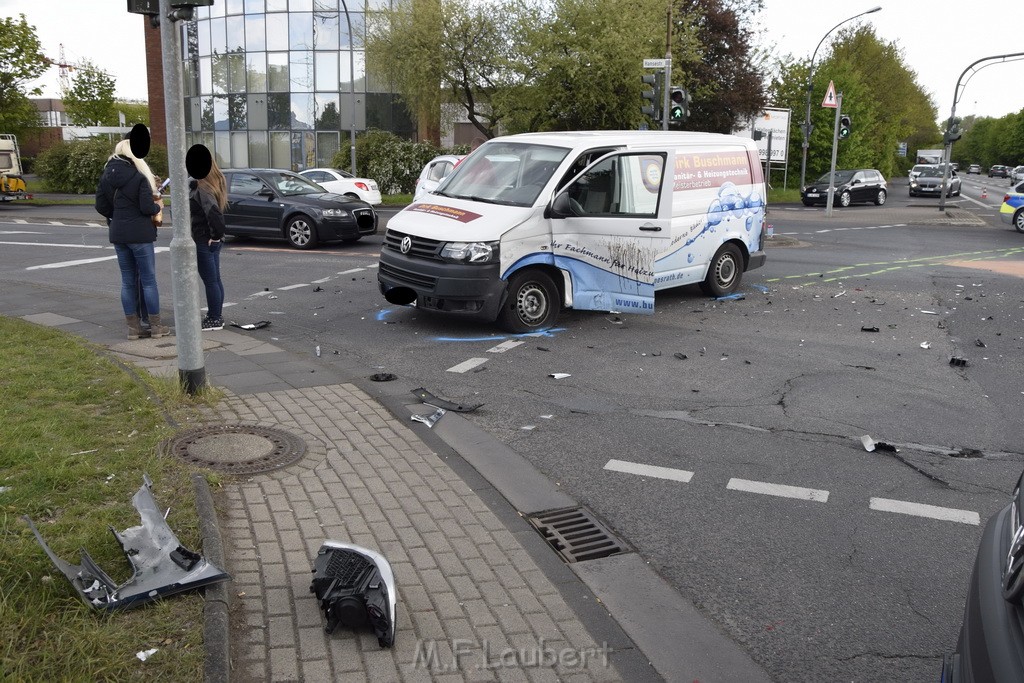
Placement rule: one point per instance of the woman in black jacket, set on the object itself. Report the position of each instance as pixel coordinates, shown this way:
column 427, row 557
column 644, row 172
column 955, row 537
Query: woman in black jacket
column 207, row 199
column 128, row 197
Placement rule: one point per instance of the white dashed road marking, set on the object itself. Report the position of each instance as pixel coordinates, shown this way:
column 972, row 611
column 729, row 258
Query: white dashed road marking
column 921, row 510
column 505, row 346
column 467, row 365
column 781, row 490
column 350, row 271
column 649, row 470
column 287, row 287
column 82, row 262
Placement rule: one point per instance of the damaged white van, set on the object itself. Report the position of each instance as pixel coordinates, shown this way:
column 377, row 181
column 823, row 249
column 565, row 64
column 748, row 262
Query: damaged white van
column 533, row 223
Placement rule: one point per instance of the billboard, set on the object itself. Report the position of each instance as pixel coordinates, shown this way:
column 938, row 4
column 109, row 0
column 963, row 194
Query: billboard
column 776, row 121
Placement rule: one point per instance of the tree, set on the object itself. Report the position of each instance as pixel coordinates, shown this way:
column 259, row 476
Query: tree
column 134, row 112
column 21, row 61
column 90, row 99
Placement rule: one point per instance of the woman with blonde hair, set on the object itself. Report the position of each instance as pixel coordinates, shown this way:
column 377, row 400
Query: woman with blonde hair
column 127, row 196
column 208, row 195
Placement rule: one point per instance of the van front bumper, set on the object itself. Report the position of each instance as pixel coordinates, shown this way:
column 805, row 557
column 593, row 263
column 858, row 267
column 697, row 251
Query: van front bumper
column 756, row 259
column 467, row 290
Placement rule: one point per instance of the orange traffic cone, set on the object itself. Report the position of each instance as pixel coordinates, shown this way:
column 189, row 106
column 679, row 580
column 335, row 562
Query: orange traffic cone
column 984, row 193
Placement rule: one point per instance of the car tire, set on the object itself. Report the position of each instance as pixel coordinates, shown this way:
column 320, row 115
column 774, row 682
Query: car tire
column 880, row 198
column 808, row 203
column 725, row 272
column 1018, row 220
column 845, row 198
column 301, row 232
column 533, row 302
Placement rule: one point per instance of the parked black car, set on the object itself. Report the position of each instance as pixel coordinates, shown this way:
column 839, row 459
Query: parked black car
column 266, row 202
column 857, row 185
column 991, row 643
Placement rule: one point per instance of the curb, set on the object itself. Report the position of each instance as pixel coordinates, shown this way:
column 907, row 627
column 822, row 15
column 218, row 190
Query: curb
column 216, row 624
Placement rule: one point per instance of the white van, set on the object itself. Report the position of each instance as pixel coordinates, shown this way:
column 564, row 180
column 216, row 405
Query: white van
column 529, row 224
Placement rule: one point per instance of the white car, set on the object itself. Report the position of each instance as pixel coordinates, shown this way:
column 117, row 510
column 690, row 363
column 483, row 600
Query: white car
column 1017, row 174
column 436, row 170
column 342, row 182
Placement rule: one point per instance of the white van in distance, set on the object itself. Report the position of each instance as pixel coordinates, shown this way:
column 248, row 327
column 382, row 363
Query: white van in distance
column 533, row 223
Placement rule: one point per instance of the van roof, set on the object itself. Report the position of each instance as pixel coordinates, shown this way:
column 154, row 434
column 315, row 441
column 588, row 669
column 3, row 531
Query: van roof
column 620, row 137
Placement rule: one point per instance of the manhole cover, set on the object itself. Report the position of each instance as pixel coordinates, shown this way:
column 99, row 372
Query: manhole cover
column 237, row 449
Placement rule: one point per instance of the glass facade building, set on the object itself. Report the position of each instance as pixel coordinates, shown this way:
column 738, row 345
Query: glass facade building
column 278, row 83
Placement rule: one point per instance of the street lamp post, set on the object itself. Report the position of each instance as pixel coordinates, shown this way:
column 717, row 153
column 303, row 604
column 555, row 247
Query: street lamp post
column 810, row 87
column 351, row 83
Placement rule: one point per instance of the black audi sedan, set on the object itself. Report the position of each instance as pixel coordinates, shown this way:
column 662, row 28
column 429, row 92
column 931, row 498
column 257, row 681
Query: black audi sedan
column 991, row 643
column 265, row 202
column 856, row 185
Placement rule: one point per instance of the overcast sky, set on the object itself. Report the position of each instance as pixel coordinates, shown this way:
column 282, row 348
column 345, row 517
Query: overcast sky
column 939, row 39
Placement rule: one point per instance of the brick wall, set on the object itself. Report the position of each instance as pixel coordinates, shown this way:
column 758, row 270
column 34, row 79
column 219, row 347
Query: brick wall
column 155, row 83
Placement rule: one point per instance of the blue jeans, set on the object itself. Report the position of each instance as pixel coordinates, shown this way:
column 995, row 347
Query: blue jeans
column 137, row 260
column 208, row 262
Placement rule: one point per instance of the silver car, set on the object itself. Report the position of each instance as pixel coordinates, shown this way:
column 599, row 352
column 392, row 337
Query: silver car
column 928, row 183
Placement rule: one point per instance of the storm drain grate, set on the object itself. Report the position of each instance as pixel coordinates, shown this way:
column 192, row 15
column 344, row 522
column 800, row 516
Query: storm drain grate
column 576, row 534
column 237, row 448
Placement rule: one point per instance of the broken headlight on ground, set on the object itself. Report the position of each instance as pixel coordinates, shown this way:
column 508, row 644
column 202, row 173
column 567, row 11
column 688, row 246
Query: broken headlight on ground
column 162, row 566
column 356, row 589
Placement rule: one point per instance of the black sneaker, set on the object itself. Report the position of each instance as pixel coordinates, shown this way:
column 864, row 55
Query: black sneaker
column 211, row 324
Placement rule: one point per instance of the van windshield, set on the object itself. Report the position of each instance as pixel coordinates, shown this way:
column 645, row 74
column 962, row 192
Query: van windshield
column 504, row 173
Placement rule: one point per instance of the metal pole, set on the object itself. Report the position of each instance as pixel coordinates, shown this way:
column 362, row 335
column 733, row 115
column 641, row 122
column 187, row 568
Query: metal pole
column 952, row 115
column 351, row 83
column 835, row 148
column 668, row 68
column 810, row 87
column 768, row 165
column 187, row 325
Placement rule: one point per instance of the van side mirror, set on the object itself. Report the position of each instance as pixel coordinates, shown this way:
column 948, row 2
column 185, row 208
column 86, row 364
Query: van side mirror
column 564, row 206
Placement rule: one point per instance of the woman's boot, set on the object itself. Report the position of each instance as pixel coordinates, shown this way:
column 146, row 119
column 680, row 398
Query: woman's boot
column 134, row 328
column 155, row 328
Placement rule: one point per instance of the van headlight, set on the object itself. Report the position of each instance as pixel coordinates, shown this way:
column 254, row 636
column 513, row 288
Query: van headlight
column 470, row 252
column 335, row 213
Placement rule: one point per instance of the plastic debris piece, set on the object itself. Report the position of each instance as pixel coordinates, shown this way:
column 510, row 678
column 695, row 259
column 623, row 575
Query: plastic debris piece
column 559, row 375
column 868, row 329
column 317, row 350
column 680, row 356
column 978, row 342
column 430, row 399
column 871, row 445
column 161, row 566
column 930, row 312
column 355, row 587
column 736, row 296
column 430, row 420
column 958, row 362
column 145, row 654
column 926, row 345
column 543, row 348
column 251, row 326
column 318, row 288
column 547, row 417
column 760, row 288
column 382, row 377
column 842, row 293
column 528, row 428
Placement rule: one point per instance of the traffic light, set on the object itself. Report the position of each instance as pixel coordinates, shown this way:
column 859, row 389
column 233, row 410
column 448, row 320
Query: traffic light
column 953, row 133
column 679, row 107
column 844, row 127
column 653, row 109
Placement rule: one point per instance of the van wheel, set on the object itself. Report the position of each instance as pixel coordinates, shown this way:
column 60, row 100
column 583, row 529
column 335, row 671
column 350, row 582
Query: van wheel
column 844, row 198
column 880, row 198
column 301, row 232
column 724, row 272
column 532, row 303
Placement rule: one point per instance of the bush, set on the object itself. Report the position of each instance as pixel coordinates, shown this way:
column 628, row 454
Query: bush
column 27, row 164
column 395, row 163
column 75, row 167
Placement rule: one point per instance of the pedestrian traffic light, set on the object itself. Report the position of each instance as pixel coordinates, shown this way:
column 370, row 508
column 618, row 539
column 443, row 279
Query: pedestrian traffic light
column 844, row 127
column 679, row 108
column 653, row 109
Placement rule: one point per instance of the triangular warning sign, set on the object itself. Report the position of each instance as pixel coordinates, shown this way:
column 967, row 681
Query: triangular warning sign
column 830, row 96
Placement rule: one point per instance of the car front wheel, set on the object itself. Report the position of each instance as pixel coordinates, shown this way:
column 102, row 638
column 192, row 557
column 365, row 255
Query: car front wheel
column 844, row 198
column 1018, row 220
column 880, row 198
column 532, row 304
column 301, row 232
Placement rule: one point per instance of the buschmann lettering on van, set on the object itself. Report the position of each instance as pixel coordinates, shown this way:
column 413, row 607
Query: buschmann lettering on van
column 530, row 224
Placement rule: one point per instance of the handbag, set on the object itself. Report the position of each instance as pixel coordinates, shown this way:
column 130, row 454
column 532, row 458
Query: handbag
column 158, row 217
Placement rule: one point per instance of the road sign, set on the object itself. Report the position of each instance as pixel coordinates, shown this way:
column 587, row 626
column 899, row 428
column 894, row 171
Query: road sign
column 830, row 96
column 771, row 120
column 657, row 63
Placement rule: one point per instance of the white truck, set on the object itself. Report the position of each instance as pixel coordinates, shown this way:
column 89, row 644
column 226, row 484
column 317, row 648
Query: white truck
column 929, row 156
column 12, row 184
column 530, row 224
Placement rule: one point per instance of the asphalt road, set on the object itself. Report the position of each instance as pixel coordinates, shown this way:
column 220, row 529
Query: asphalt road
column 778, row 524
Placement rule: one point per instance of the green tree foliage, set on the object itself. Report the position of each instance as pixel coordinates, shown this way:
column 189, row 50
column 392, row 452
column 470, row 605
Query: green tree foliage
column 880, row 94
column 987, row 141
column 90, row 99
column 75, row 167
column 21, row 61
column 134, row 112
